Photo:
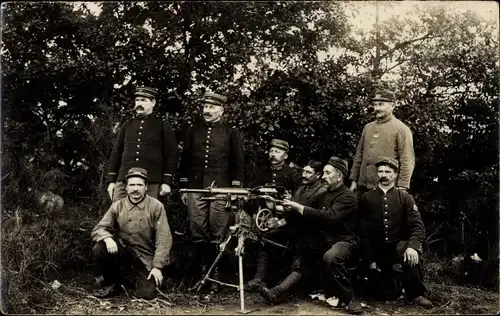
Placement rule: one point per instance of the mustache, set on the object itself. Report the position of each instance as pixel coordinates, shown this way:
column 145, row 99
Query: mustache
column 383, row 179
column 139, row 107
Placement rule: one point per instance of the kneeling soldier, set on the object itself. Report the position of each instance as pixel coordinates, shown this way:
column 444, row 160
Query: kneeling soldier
column 135, row 255
column 392, row 231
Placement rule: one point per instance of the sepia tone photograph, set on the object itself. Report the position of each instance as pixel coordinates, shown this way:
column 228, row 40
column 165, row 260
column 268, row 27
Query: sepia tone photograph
column 250, row 157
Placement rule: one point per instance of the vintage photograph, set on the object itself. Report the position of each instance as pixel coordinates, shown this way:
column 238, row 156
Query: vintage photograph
column 250, row 157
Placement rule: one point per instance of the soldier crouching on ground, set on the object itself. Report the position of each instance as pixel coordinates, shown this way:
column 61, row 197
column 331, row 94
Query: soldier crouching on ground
column 308, row 194
column 392, row 231
column 336, row 240
column 140, row 248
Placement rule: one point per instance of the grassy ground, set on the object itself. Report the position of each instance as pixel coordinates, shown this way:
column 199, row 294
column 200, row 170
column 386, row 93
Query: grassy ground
column 75, row 297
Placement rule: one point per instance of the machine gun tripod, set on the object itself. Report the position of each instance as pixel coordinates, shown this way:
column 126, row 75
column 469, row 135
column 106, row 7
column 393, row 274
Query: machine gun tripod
column 244, row 228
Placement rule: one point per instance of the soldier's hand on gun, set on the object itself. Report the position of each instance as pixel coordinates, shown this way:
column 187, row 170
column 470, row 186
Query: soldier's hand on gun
column 411, row 256
column 288, row 204
column 111, row 188
column 373, row 266
column 111, row 245
column 157, row 275
column 184, row 198
column 164, row 189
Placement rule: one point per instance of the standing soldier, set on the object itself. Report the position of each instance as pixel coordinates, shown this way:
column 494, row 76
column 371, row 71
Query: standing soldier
column 213, row 152
column 147, row 142
column 386, row 136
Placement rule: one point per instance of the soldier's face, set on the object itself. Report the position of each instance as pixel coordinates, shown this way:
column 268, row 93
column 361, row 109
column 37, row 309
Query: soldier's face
column 277, row 155
column 386, row 175
column 383, row 109
column 212, row 113
column 309, row 175
column 331, row 176
column 143, row 105
column 136, row 188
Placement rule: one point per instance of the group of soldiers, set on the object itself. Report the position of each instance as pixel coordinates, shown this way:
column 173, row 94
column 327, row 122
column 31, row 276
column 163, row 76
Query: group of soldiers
column 374, row 221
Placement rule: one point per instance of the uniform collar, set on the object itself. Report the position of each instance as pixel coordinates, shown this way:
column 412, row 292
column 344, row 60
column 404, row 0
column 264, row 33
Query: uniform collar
column 314, row 186
column 385, row 120
column 335, row 189
column 388, row 191
column 141, row 205
column 211, row 124
column 277, row 168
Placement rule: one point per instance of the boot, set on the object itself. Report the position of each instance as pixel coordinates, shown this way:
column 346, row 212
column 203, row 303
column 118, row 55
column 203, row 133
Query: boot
column 257, row 282
column 423, row 302
column 278, row 293
column 215, row 287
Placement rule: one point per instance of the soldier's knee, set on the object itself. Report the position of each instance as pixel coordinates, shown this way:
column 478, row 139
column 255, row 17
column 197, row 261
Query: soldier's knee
column 99, row 250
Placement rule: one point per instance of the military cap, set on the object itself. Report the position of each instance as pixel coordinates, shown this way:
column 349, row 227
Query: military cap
column 147, row 92
column 391, row 162
column 214, row 98
column 137, row 172
column 338, row 163
column 384, row 95
column 281, row 144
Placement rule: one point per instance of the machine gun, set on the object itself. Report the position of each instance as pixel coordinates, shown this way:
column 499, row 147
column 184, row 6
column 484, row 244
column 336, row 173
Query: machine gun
column 246, row 226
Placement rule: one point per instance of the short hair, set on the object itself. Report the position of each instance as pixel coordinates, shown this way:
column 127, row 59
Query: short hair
column 145, row 181
column 316, row 165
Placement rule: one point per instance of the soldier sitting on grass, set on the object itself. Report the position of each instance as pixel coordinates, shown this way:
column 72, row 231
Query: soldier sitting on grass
column 133, row 241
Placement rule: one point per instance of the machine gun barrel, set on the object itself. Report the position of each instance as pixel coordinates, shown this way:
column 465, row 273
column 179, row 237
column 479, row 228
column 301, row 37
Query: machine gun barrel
column 232, row 191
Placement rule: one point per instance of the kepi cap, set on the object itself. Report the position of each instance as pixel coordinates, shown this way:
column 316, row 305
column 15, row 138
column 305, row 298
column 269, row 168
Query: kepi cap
column 147, row 92
column 214, row 98
column 384, row 95
column 391, row 162
column 137, row 172
column 340, row 164
column 281, row 144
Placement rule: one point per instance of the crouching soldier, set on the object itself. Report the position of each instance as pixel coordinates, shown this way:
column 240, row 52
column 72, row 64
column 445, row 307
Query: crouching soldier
column 309, row 194
column 133, row 241
column 392, row 231
column 336, row 240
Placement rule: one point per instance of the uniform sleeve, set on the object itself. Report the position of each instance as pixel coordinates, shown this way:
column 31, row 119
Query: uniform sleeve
column 414, row 223
column 406, row 157
column 185, row 158
column 237, row 158
column 358, row 158
column 169, row 153
column 163, row 242
column 107, row 224
column 116, row 154
column 343, row 207
column 363, row 230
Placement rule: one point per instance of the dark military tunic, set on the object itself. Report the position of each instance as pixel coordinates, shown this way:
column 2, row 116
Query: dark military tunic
column 283, row 176
column 146, row 142
column 389, row 218
column 212, row 152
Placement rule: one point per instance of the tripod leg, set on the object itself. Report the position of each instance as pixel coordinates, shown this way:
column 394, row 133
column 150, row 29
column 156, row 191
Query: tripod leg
column 221, row 252
column 242, row 290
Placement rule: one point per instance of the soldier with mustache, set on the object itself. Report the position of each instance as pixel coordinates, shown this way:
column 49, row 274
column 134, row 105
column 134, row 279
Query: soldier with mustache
column 386, row 136
column 212, row 152
column 279, row 174
column 392, row 231
column 147, row 142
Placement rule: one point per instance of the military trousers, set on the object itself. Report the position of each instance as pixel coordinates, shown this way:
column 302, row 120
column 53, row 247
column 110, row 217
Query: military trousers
column 124, row 268
column 209, row 220
column 386, row 256
column 337, row 281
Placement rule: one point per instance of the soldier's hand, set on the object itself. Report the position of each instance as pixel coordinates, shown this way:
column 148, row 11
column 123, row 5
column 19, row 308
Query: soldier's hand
column 184, row 198
column 373, row 266
column 411, row 256
column 354, row 186
column 157, row 275
column 293, row 205
column 165, row 189
column 111, row 189
column 111, row 245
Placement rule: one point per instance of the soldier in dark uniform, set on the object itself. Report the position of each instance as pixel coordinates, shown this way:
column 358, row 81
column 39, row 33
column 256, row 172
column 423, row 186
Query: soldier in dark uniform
column 309, row 194
column 392, row 231
column 147, row 142
column 278, row 172
column 281, row 175
column 212, row 152
column 335, row 238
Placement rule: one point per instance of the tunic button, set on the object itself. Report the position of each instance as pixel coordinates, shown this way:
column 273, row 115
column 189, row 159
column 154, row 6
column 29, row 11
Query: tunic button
column 136, row 159
column 138, row 146
column 274, row 174
column 140, row 133
column 386, row 206
column 206, row 166
column 206, row 156
column 386, row 238
column 385, row 219
column 207, row 151
column 207, row 146
column 138, row 153
column 385, row 213
column 138, row 139
column 274, row 180
column 140, row 127
column 209, row 128
column 208, row 136
column 385, row 198
column 386, row 226
column 206, row 161
column 142, row 121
